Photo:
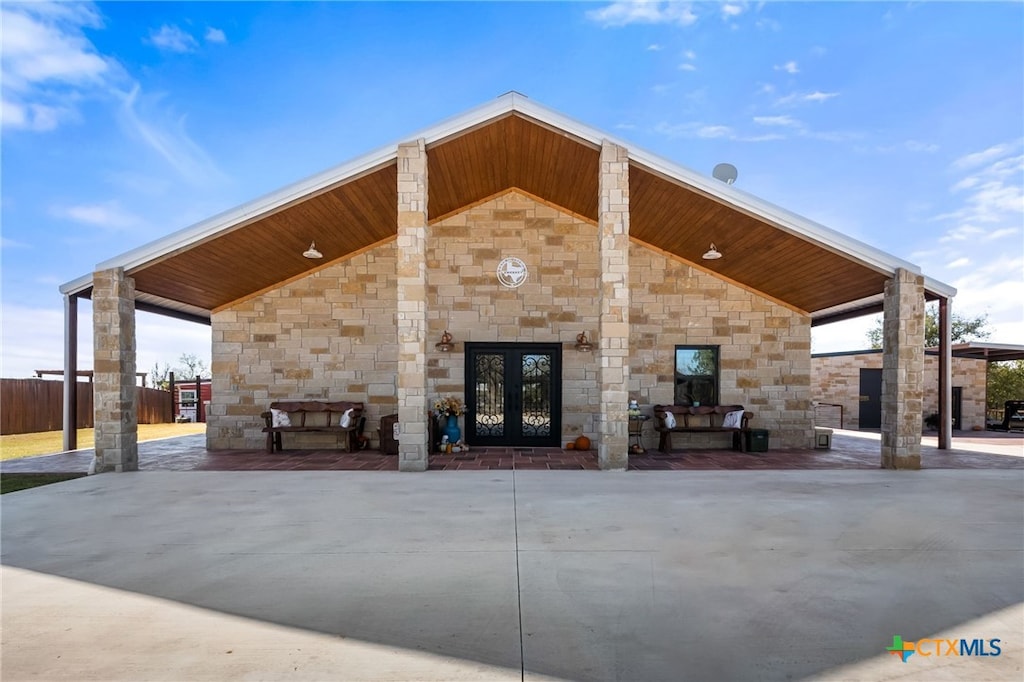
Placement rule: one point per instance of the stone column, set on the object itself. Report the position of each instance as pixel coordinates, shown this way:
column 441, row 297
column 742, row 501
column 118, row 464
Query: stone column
column 114, row 408
column 613, row 324
column 902, row 370
column 412, row 306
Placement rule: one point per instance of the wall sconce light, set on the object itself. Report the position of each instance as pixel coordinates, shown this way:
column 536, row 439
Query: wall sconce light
column 446, row 344
column 582, row 344
column 311, row 252
column 712, row 253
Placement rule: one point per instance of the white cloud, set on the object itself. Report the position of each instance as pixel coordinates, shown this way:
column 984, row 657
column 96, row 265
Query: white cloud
column 785, row 121
column 709, row 132
column 843, row 336
column 48, row 63
column 108, row 215
column 41, row 47
column 788, row 67
column 999, row 234
column 6, row 243
column 731, row 10
column 999, row 272
column 798, row 97
column 980, row 158
column 966, row 183
column 994, row 192
column 33, row 338
column 643, row 12
column 687, row 67
column 661, row 88
column 173, row 39
column 32, row 116
column 980, row 245
column 820, row 96
column 690, row 54
column 168, row 139
column 215, row 35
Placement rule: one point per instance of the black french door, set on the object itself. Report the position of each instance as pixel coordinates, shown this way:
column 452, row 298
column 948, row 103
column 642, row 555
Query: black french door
column 514, row 394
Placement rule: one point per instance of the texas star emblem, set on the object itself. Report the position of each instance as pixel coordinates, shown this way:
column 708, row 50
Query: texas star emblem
column 512, row 272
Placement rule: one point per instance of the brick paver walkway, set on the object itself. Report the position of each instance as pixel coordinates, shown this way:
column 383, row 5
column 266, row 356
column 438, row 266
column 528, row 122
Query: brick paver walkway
column 849, row 451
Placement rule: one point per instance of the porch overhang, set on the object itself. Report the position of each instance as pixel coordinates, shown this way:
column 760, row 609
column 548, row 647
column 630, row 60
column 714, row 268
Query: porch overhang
column 509, row 143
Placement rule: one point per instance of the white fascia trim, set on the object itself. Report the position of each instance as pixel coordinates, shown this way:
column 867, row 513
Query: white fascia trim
column 849, row 306
column 786, row 220
column 228, row 219
column 984, row 345
column 505, row 104
column 938, row 288
column 262, row 205
column 247, row 211
column 789, row 221
column 76, row 286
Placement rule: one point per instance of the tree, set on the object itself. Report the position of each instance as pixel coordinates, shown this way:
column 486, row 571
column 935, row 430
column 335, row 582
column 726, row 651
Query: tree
column 191, row 366
column 159, row 376
column 961, row 329
column 1005, row 382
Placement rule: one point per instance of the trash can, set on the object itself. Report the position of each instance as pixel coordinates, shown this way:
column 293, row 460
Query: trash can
column 757, row 440
column 388, row 434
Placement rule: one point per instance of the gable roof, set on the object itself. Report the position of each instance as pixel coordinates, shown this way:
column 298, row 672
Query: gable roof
column 509, row 143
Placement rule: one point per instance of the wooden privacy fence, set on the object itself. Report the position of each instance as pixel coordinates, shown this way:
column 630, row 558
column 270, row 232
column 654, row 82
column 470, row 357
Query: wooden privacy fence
column 33, row 405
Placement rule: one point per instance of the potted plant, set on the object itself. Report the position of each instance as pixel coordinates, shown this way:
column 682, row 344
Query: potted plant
column 450, row 408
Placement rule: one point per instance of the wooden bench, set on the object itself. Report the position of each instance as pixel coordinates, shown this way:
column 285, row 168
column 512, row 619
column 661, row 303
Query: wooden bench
column 313, row 416
column 702, row 419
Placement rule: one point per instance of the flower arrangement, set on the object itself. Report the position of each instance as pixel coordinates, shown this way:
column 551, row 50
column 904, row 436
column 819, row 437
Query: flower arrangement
column 449, row 406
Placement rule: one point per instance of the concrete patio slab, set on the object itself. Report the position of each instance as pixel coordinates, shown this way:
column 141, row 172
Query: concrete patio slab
column 512, row 574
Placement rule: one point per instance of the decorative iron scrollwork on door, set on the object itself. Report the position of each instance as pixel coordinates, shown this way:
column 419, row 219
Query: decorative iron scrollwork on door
column 489, row 416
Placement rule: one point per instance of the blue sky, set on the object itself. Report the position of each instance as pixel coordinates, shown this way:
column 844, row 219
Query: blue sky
column 900, row 124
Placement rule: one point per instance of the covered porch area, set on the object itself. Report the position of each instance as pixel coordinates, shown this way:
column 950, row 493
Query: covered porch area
column 339, row 285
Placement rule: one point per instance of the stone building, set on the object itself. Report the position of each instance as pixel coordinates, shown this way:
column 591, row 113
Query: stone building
column 529, row 238
column 853, row 381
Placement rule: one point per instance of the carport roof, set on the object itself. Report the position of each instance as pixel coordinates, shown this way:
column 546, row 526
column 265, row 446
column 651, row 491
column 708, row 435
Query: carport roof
column 509, row 143
column 993, row 352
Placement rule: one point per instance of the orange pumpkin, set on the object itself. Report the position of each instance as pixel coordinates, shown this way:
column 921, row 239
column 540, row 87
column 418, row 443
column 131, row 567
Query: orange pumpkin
column 582, row 443
column 571, row 445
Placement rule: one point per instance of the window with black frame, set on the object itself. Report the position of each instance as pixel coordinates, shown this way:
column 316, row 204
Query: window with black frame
column 696, row 376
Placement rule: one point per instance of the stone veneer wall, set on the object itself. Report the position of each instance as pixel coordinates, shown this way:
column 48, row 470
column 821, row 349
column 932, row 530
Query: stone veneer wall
column 559, row 300
column 836, row 379
column 331, row 335
column 334, row 334
column 764, row 355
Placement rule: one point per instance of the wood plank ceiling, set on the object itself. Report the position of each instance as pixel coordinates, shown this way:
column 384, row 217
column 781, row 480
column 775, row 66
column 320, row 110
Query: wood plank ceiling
column 510, row 151
column 685, row 222
column 269, row 250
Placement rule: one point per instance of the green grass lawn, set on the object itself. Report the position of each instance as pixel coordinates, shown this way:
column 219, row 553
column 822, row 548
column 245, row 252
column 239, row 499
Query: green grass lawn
column 12, row 482
column 18, row 445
